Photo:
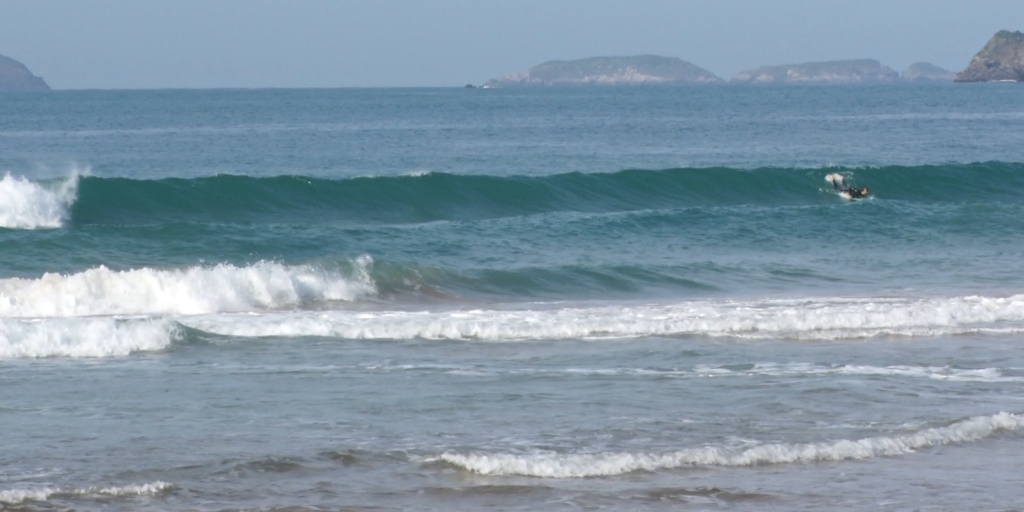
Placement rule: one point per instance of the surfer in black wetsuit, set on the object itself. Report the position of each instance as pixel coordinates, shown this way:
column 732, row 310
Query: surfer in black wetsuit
column 839, row 185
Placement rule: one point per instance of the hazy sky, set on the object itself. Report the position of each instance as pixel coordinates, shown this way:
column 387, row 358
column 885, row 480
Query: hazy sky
column 77, row 44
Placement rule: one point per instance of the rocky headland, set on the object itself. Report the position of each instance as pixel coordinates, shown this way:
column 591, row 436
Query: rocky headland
column 14, row 76
column 636, row 70
column 927, row 72
column 854, row 71
column 1001, row 60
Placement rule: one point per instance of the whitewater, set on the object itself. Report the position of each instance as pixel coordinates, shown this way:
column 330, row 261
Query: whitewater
column 423, row 299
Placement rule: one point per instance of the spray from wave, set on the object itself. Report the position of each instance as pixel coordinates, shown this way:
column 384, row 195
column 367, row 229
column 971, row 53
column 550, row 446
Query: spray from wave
column 26, row 204
column 554, row 465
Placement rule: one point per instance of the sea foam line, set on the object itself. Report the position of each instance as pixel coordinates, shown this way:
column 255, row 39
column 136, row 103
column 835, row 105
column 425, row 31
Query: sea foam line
column 945, row 373
column 16, row 496
column 26, row 204
column 554, row 465
column 820, row 319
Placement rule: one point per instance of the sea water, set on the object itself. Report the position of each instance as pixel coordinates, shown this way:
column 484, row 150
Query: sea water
column 512, row 299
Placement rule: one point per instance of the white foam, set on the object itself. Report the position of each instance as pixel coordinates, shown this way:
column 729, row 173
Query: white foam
column 84, row 337
column 554, row 465
column 194, row 290
column 16, row 496
column 760, row 370
column 819, row 319
column 809, row 369
column 26, row 204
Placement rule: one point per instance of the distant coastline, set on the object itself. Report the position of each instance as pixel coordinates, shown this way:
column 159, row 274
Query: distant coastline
column 603, row 71
column 649, row 70
column 1001, row 60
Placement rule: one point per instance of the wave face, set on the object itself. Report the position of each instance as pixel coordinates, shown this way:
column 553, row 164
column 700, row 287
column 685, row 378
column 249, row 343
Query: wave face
column 554, row 465
column 439, row 196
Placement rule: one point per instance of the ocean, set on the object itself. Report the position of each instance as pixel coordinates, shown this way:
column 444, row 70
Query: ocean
column 619, row 298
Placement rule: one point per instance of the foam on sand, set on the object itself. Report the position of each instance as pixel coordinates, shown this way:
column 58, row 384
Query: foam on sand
column 26, row 204
column 556, row 465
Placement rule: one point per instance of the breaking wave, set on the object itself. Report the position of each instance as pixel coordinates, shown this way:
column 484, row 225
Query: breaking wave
column 193, row 290
column 555, row 465
column 18, row 496
column 85, row 337
column 807, row 319
column 26, row 204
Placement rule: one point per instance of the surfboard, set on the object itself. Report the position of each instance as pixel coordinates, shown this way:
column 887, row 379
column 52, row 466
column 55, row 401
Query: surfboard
column 837, row 179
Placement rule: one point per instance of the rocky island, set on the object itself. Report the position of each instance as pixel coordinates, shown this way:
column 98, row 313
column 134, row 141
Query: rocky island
column 14, row 76
column 927, row 72
column 636, row 70
column 832, row 72
column 1001, row 60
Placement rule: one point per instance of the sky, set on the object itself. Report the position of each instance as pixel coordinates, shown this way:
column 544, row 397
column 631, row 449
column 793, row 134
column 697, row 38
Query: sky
column 147, row 44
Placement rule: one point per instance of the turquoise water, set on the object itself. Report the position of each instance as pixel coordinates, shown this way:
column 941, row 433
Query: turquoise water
column 620, row 298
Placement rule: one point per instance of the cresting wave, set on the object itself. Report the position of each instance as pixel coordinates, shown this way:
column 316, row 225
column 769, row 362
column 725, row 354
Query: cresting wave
column 18, row 496
column 439, row 196
column 805, row 319
column 193, row 290
column 26, row 204
column 555, row 465
column 69, row 330
column 107, row 313
column 85, row 337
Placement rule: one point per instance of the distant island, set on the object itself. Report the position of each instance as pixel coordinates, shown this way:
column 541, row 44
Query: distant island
column 636, row 70
column 655, row 70
column 1001, row 60
column 14, row 76
column 927, row 72
column 832, row 72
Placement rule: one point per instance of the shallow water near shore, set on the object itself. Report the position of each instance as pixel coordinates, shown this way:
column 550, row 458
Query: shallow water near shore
column 416, row 299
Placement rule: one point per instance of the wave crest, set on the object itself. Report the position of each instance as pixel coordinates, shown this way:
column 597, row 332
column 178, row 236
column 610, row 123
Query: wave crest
column 84, row 337
column 194, row 290
column 554, row 465
column 810, row 319
column 18, row 496
column 26, row 204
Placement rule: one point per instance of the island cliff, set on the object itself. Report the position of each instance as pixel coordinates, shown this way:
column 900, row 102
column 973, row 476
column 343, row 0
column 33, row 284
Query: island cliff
column 1001, row 60
column 637, row 70
column 832, row 72
column 14, row 76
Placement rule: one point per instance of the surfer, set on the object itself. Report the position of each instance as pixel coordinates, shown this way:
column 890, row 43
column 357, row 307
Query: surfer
column 840, row 186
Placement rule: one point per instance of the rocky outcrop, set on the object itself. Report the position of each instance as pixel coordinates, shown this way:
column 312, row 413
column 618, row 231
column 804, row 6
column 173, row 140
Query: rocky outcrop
column 1001, row 60
column 832, row 72
column 637, row 70
column 926, row 72
column 14, row 76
